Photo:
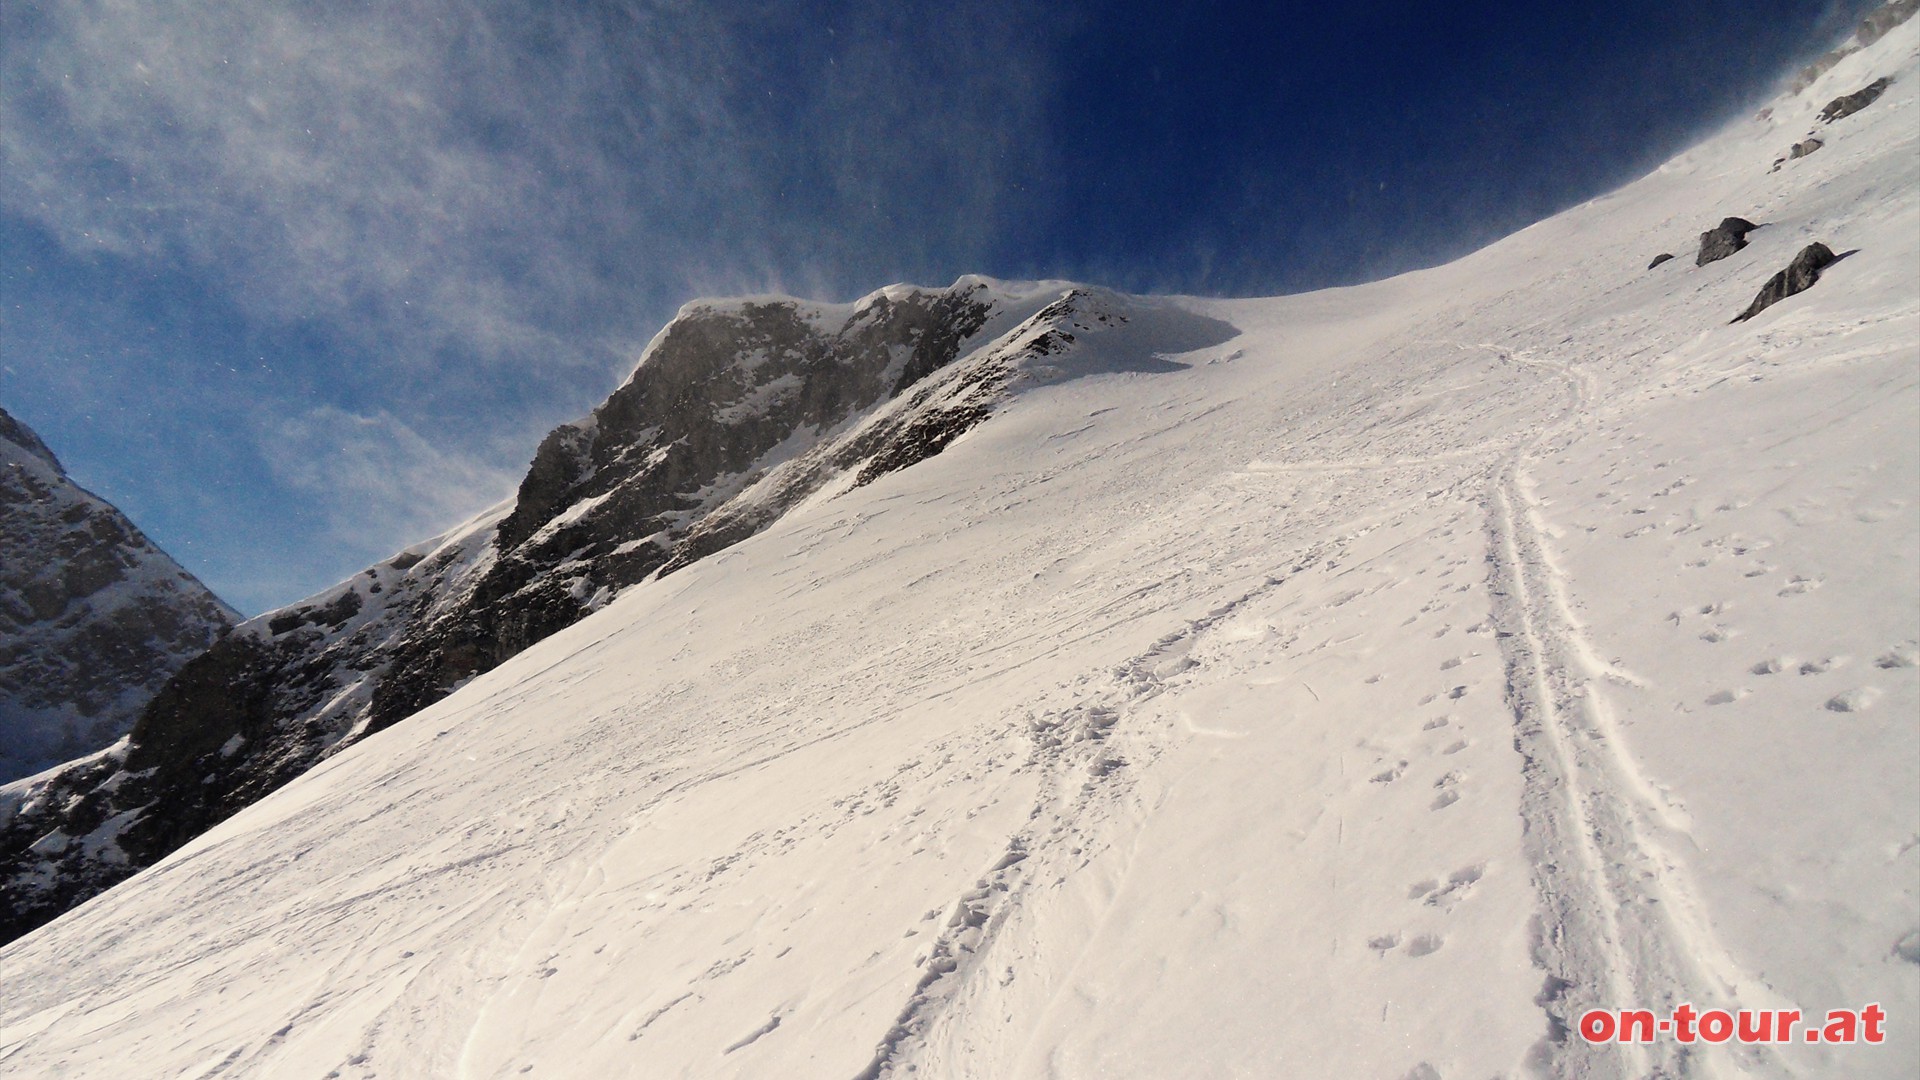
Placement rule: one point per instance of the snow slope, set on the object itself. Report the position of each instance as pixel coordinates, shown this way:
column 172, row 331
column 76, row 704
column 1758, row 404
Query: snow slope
column 668, row 469
column 1361, row 696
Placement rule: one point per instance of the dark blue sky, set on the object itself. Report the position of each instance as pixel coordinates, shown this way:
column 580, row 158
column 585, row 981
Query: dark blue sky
column 296, row 284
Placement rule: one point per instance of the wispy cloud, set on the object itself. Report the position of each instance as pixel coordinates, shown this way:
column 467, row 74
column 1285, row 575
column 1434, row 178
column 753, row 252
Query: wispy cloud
column 489, row 206
column 444, row 173
column 392, row 165
column 379, row 479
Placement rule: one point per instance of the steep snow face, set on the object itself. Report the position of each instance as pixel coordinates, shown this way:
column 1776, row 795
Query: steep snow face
column 231, row 724
column 93, row 617
column 1363, row 690
column 1084, row 332
column 728, row 391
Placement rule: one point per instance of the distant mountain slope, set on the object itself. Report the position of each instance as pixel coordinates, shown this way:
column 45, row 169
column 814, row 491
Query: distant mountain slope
column 93, row 618
column 737, row 410
column 1357, row 684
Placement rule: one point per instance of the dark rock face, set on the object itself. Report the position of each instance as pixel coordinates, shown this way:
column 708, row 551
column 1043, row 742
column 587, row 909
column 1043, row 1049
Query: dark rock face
column 1848, row 104
column 736, row 412
column 1658, row 259
column 1799, row 276
column 94, row 618
column 924, row 421
column 720, row 394
column 25, row 441
column 915, row 427
column 1723, row 240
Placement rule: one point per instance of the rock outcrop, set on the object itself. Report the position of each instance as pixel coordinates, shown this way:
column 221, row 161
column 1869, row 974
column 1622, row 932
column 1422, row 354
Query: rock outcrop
column 1804, row 147
column 1847, row 104
column 1884, row 18
column 1723, row 240
column 1660, row 258
column 737, row 412
column 1799, row 150
column 1799, row 276
column 94, row 619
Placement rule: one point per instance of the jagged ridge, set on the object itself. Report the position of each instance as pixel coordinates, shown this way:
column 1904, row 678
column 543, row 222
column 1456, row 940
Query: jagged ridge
column 729, row 396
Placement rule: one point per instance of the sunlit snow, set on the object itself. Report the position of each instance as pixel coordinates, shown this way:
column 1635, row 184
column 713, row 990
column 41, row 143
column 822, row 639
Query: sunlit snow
column 1350, row 698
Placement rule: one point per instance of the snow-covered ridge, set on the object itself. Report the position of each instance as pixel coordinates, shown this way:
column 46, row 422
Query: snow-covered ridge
column 1364, row 693
column 1080, row 332
column 728, row 392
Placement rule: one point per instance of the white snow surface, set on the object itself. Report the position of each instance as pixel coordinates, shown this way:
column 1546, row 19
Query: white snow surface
column 1317, row 708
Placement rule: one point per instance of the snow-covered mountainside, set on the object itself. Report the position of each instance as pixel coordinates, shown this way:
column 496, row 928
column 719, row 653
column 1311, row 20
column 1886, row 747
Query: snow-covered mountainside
column 93, row 617
column 737, row 410
column 1356, row 684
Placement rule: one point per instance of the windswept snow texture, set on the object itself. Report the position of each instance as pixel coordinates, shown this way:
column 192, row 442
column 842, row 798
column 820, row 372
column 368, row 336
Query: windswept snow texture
column 1364, row 694
column 725, row 393
column 93, row 617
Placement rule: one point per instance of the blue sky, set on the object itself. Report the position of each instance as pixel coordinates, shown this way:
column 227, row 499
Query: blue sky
column 298, row 283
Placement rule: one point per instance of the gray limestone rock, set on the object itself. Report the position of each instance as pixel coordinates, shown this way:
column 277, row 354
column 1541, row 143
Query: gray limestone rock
column 1799, row 276
column 1799, row 150
column 1871, row 29
column 1884, row 18
column 1847, row 104
column 728, row 393
column 1723, row 240
column 1804, row 147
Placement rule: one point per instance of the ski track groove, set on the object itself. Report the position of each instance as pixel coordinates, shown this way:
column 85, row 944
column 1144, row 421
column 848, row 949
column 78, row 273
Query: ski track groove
column 1618, row 926
column 1073, row 744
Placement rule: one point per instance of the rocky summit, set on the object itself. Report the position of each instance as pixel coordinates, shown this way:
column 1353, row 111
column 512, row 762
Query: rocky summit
column 737, row 411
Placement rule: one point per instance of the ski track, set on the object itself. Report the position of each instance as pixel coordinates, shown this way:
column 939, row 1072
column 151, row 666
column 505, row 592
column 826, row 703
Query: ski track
column 1047, row 801
column 1080, row 745
column 1084, row 784
column 1618, row 924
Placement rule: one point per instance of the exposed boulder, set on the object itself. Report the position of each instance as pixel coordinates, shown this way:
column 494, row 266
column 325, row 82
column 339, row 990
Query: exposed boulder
column 1799, row 276
column 1847, row 104
column 1799, row 150
column 1723, row 240
column 1660, row 258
